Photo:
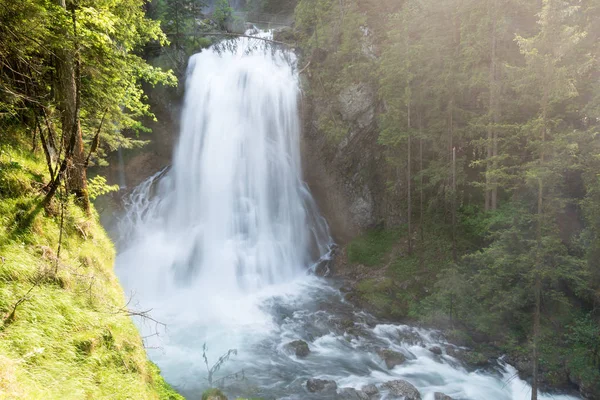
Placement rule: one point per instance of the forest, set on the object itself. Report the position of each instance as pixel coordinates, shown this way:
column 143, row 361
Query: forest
column 489, row 119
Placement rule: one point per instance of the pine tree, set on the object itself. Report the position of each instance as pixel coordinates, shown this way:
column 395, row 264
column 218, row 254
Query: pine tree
column 177, row 17
column 549, row 70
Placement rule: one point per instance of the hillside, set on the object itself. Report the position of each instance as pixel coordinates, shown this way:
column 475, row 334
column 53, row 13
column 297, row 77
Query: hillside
column 65, row 332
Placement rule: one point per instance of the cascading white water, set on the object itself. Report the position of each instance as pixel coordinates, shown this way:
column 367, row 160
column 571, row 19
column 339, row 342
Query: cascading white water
column 218, row 247
column 235, row 216
column 232, row 217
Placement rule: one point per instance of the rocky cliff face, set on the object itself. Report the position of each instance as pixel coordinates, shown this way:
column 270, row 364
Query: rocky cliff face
column 353, row 185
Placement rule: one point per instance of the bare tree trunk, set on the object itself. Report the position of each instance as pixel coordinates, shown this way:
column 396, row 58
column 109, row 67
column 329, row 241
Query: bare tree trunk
column 539, row 256
column 536, row 334
column 488, row 167
column 454, row 252
column 45, row 146
column 409, row 178
column 409, row 144
column 494, row 105
column 408, row 182
column 421, row 209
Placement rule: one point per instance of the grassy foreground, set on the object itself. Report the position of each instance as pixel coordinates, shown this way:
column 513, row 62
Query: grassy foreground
column 69, row 337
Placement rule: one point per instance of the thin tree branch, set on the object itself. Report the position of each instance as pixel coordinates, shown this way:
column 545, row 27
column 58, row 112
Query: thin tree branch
column 239, row 35
column 95, row 141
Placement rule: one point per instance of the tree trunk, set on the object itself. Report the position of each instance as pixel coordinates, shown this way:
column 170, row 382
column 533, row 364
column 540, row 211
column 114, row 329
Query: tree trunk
column 539, row 255
column 494, row 105
column 67, row 90
column 409, row 144
column 408, row 181
column 536, row 334
column 454, row 252
column 421, row 210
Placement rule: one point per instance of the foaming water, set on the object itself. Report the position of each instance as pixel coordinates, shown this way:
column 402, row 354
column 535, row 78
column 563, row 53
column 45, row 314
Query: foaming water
column 219, row 247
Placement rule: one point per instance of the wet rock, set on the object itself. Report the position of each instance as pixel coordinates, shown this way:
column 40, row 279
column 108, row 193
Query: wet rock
column 352, row 394
column 441, row 396
column 371, row 391
column 402, row 389
column 347, row 323
column 391, row 358
column 436, row 350
column 522, row 363
column 323, row 268
column 468, row 356
column 362, row 207
column 455, row 352
column 299, row 347
column 314, row 385
column 476, row 358
column 460, row 338
column 410, row 337
column 284, row 34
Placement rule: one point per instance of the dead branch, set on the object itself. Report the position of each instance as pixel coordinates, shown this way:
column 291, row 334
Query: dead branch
column 144, row 315
column 240, row 35
column 303, row 69
column 11, row 317
column 45, row 147
column 62, row 222
column 96, row 140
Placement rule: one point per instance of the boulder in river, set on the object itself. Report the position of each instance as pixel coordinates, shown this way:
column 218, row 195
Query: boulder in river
column 371, row 391
column 402, row 390
column 455, row 352
column 352, row 394
column 410, row 336
column 436, row 350
column 299, row 347
column 314, row 385
column 391, row 358
column 441, row 396
column 323, row 268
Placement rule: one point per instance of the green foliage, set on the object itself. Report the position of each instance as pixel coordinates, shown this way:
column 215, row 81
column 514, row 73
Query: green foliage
column 97, row 186
column 284, row 7
column 372, row 248
column 178, row 18
column 332, row 36
column 106, row 36
column 69, row 325
column 583, row 335
column 223, row 13
column 512, row 87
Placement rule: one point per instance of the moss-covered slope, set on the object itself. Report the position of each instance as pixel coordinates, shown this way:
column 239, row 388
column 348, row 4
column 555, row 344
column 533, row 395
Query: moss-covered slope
column 69, row 337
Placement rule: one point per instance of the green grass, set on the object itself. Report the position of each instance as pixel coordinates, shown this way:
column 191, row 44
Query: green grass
column 67, row 340
column 400, row 282
column 372, row 248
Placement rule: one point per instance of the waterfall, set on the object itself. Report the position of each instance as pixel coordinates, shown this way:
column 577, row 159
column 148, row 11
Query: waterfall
column 234, row 215
column 232, row 219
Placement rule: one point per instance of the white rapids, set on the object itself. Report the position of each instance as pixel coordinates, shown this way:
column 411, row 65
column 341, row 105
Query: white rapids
column 219, row 248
